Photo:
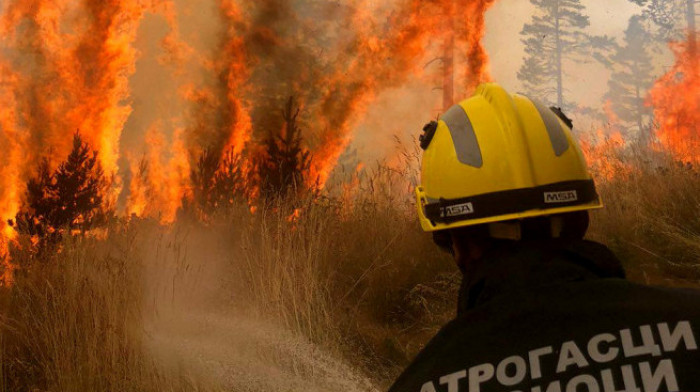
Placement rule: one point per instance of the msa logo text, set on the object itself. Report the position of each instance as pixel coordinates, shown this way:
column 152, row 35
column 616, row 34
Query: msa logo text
column 560, row 197
column 458, row 210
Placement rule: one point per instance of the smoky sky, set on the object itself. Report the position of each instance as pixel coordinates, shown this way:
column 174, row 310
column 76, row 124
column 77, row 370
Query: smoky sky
column 588, row 81
column 402, row 112
column 291, row 42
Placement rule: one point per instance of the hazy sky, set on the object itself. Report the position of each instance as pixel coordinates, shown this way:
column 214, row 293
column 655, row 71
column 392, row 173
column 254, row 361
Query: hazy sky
column 402, row 112
column 586, row 82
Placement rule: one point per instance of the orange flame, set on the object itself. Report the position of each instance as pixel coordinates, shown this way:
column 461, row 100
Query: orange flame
column 382, row 60
column 236, row 75
column 604, row 150
column 177, row 51
column 80, row 79
column 11, row 162
column 472, row 32
column 676, row 101
column 603, row 156
column 39, row 93
column 138, row 186
column 294, row 217
column 74, row 60
column 221, row 119
column 156, row 189
column 73, row 63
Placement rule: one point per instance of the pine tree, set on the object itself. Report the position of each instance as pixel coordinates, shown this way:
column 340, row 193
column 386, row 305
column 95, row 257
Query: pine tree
column 230, row 180
column 671, row 17
column 39, row 209
column 71, row 198
column 79, row 187
column 203, row 177
column 285, row 164
column 674, row 20
column 633, row 75
column 217, row 183
column 556, row 34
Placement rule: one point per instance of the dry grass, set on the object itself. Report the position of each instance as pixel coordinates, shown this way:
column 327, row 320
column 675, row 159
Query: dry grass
column 73, row 323
column 652, row 220
column 339, row 299
column 366, row 280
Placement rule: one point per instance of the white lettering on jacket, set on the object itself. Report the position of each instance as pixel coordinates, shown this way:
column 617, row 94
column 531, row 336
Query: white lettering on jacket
column 568, row 367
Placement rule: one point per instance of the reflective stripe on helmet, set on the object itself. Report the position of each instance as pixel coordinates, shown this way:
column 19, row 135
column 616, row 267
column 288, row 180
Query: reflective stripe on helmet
column 463, row 136
column 551, row 122
column 563, row 194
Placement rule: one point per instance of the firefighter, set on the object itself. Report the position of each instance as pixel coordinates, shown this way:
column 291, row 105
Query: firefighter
column 506, row 191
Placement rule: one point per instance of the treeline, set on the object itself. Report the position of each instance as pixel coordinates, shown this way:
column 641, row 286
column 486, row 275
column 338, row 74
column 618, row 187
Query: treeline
column 72, row 199
column 558, row 37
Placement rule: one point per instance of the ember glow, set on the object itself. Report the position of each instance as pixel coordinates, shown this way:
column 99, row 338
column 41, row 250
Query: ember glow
column 676, row 102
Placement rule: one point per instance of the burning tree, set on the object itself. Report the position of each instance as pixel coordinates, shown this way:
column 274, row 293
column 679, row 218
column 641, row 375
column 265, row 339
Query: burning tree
column 285, row 164
column 230, row 180
column 676, row 102
column 217, row 182
column 67, row 199
column 674, row 96
column 279, row 165
column 203, row 177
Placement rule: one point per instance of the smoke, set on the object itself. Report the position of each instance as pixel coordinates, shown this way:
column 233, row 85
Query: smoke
column 202, row 321
column 151, row 84
column 336, row 67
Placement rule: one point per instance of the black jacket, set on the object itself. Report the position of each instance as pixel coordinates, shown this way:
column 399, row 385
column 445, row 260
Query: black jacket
column 560, row 317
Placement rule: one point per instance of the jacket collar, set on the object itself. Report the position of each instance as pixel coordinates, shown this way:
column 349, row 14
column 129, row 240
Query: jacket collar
column 517, row 266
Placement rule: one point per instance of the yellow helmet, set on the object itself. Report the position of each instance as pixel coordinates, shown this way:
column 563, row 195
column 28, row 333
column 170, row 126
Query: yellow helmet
column 496, row 157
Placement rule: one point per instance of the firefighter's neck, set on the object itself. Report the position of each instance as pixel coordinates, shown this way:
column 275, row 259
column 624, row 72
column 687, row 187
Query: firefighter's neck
column 468, row 253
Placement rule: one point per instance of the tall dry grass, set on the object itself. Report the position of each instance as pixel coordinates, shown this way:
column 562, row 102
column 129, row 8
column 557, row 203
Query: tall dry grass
column 340, row 298
column 358, row 277
column 652, row 219
column 72, row 322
